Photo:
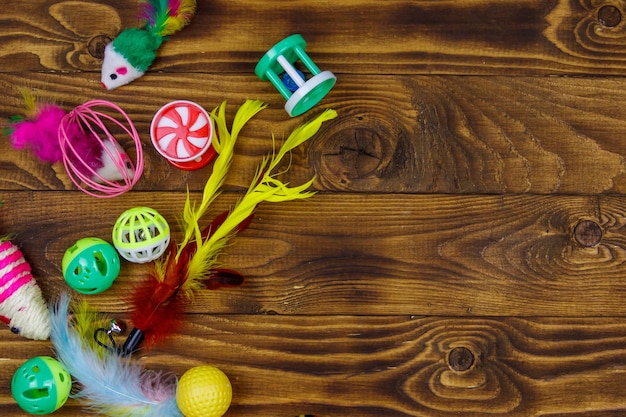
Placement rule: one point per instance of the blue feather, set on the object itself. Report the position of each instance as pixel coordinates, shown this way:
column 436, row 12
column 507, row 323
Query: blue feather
column 110, row 384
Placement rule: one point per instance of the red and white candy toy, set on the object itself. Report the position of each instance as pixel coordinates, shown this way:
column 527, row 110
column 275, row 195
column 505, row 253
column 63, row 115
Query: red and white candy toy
column 181, row 131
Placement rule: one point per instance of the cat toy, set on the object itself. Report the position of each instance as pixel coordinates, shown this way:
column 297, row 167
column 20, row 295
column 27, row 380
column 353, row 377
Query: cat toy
column 141, row 234
column 41, row 385
column 132, row 52
column 181, row 131
column 157, row 303
column 90, row 265
column 109, row 381
column 204, row 391
column 22, row 305
column 278, row 67
column 115, row 385
column 93, row 158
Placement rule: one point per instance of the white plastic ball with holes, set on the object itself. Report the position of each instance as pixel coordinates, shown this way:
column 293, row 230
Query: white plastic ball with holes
column 141, row 234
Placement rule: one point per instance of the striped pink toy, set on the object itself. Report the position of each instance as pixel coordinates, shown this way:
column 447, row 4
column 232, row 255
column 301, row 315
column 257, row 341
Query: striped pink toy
column 22, row 305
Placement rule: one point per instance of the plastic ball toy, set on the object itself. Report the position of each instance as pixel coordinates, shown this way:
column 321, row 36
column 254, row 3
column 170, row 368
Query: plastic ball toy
column 41, row 385
column 204, row 391
column 182, row 131
column 306, row 93
column 91, row 265
column 141, row 234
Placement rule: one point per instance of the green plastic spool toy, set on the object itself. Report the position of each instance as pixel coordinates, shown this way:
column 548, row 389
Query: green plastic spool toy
column 41, row 385
column 141, row 234
column 91, row 265
column 280, row 60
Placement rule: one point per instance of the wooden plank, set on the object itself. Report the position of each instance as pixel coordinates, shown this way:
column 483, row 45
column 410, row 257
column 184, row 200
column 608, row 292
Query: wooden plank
column 465, row 253
column 392, row 366
column 387, row 254
column 356, row 36
column 393, row 134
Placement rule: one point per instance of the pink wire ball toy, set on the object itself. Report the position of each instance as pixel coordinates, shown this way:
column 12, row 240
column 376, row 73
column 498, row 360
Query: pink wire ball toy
column 84, row 140
column 115, row 173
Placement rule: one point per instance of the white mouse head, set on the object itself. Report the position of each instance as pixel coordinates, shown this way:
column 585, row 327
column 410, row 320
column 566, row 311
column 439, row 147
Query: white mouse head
column 128, row 57
column 116, row 70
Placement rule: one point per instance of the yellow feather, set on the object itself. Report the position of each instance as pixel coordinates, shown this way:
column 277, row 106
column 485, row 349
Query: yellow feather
column 30, row 101
column 181, row 18
column 160, row 266
column 86, row 321
column 264, row 187
column 302, row 134
column 224, row 144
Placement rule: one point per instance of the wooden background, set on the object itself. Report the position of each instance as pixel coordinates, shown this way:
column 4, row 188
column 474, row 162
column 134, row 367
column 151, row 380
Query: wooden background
column 466, row 252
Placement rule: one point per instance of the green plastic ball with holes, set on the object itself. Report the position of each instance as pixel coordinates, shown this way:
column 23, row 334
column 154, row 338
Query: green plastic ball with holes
column 41, row 385
column 91, row 265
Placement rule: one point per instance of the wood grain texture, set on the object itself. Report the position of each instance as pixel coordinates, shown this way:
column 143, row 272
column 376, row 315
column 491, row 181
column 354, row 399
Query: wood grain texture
column 391, row 254
column 355, row 36
column 393, row 134
column 465, row 253
column 392, row 366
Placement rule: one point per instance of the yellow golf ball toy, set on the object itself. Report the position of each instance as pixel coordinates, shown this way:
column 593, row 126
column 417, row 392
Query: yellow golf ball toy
column 204, row 391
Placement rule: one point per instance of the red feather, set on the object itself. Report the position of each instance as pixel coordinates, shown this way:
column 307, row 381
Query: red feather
column 158, row 310
column 158, row 305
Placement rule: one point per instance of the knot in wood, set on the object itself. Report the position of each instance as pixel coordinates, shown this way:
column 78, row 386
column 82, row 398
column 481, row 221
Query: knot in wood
column 97, row 44
column 460, row 359
column 357, row 154
column 587, row 233
column 363, row 152
column 609, row 16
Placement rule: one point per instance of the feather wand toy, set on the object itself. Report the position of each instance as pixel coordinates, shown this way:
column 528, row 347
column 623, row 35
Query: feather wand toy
column 132, row 52
column 109, row 384
column 157, row 304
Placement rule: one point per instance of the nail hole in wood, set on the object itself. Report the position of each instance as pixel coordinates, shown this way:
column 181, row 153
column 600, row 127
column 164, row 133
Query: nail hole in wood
column 97, row 44
column 588, row 233
column 460, row 359
column 609, row 16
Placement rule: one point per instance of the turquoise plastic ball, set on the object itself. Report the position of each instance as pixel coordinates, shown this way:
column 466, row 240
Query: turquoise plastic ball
column 41, row 385
column 91, row 265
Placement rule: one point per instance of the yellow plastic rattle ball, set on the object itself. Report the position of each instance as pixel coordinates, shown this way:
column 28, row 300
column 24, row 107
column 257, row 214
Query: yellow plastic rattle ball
column 204, row 391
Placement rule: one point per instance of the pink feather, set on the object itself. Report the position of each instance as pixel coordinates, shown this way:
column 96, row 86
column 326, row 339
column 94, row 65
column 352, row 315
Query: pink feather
column 165, row 17
column 89, row 149
column 40, row 134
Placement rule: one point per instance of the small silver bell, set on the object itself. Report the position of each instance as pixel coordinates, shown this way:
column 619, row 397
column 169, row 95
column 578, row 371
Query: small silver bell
column 115, row 327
